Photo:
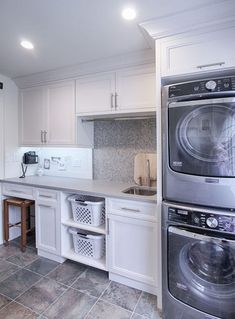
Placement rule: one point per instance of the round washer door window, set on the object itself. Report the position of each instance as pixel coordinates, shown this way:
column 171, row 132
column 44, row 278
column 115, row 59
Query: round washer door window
column 210, row 267
column 207, row 133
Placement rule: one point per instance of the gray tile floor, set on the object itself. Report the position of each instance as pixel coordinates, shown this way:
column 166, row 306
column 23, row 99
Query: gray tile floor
column 35, row 287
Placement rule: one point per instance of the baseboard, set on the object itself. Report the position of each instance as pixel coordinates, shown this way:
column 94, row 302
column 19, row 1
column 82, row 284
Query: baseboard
column 51, row 256
column 133, row 283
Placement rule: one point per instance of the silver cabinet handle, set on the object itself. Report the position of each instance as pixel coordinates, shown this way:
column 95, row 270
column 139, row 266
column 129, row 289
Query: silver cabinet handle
column 45, row 196
column 45, row 136
column 16, row 191
column 107, row 226
column 208, row 65
column 48, row 206
column 111, row 100
column 116, row 106
column 42, row 136
column 131, row 209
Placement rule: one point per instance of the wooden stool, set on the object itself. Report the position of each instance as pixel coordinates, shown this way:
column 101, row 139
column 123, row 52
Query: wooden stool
column 24, row 205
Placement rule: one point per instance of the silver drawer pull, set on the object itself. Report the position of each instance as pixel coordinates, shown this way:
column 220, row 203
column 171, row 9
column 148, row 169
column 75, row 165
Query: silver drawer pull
column 208, row 65
column 15, row 191
column 112, row 100
column 116, row 105
column 45, row 196
column 131, row 209
column 43, row 205
column 41, row 136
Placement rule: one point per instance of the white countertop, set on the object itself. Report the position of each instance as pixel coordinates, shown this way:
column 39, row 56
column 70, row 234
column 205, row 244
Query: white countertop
column 87, row 186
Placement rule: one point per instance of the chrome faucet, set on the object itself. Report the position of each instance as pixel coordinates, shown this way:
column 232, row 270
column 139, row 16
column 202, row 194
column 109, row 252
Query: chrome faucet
column 148, row 174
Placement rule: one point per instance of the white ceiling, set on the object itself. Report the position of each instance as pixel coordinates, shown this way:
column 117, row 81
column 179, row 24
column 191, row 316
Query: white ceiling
column 69, row 32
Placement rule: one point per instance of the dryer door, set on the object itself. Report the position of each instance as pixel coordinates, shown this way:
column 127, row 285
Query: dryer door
column 201, row 271
column 201, row 137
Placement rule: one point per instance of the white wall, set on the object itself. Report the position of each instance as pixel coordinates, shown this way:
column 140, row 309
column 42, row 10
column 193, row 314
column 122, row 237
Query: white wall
column 10, row 127
column 8, row 138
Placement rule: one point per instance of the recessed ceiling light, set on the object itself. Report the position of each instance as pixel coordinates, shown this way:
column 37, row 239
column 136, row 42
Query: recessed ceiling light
column 129, row 13
column 27, row 44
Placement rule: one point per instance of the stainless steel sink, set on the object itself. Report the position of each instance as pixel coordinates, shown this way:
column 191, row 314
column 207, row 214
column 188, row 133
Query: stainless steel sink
column 138, row 190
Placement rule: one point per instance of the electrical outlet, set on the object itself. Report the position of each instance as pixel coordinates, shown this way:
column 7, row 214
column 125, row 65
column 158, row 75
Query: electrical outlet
column 76, row 163
column 55, row 159
column 61, row 166
column 47, row 163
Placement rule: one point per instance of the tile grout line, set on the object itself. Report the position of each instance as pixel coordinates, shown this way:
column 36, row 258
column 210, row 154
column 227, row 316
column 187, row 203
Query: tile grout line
column 27, row 307
column 46, row 277
column 67, row 288
column 113, row 304
column 133, row 313
column 98, row 299
column 41, row 277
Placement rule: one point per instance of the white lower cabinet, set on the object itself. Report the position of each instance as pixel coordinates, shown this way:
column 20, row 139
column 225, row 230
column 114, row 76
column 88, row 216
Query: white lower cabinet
column 48, row 225
column 132, row 251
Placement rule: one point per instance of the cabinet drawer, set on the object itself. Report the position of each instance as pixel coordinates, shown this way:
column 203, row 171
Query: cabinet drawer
column 17, row 190
column 134, row 209
column 47, row 195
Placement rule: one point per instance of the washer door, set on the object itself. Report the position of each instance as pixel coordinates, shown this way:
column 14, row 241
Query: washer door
column 201, row 271
column 202, row 137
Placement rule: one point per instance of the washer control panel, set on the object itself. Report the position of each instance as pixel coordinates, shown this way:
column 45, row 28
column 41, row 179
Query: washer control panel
column 219, row 85
column 225, row 223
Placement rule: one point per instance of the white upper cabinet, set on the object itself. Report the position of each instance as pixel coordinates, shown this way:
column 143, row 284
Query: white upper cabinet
column 61, row 113
column 94, row 94
column 136, row 89
column 125, row 91
column 47, row 115
column 32, row 115
column 198, row 53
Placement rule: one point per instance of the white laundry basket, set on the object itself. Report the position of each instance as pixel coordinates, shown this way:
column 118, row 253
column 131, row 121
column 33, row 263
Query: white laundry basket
column 88, row 244
column 88, row 210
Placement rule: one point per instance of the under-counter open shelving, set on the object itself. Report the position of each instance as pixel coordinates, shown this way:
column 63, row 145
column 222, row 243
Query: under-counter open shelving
column 67, row 247
column 95, row 229
column 97, row 263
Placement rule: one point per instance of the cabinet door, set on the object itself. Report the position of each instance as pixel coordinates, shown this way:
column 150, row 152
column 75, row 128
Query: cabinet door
column 48, row 227
column 204, row 52
column 95, row 94
column 31, row 115
column 132, row 246
column 61, row 113
column 136, row 89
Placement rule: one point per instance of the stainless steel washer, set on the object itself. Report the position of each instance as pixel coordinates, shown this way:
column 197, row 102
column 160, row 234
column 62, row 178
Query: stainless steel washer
column 199, row 142
column 198, row 262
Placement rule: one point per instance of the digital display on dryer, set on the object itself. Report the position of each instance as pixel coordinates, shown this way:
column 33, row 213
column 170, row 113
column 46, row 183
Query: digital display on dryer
column 205, row 220
column 202, row 87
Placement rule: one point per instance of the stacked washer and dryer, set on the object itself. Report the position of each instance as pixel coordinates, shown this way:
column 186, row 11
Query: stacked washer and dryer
column 198, row 221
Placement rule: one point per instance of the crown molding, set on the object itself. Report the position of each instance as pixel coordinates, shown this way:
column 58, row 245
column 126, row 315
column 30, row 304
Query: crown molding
column 74, row 71
column 199, row 18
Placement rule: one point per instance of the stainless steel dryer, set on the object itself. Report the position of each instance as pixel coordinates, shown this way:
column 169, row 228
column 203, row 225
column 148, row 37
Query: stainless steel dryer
column 199, row 142
column 198, row 262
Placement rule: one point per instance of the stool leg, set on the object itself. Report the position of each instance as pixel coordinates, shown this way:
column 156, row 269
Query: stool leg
column 29, row 221
column 23, row 227
column 6, row 223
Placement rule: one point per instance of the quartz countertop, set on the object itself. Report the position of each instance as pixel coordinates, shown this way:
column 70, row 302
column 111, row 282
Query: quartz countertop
column 83, row 186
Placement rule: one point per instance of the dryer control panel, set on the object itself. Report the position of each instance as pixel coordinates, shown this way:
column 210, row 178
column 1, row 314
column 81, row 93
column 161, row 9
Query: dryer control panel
column 214, row 221
column 218, row 85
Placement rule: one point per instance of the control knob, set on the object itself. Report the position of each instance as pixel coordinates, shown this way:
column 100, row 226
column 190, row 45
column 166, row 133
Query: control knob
column 210, row 85
column 212, row 222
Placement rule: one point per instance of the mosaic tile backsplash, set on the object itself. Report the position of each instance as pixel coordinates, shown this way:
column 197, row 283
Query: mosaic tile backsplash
column 116, row 144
